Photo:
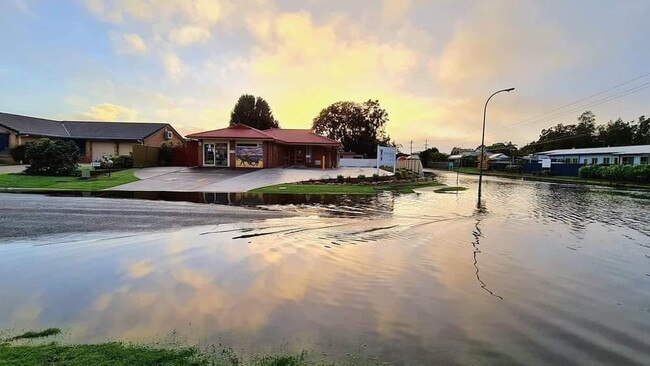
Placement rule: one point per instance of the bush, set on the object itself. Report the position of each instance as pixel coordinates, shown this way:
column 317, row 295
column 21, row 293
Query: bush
column 617, row 173
column 340, row 178
column 361, row 177
column 166, row 151
column 18, row 153
column 123, row 161
column 376, row 177
column 514, row 168
column 52, row 157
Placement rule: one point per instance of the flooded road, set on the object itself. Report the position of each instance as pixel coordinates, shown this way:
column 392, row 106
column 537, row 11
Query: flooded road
column 545, row 274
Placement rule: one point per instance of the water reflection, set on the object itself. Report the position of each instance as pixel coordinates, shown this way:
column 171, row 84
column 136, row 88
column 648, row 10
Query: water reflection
column 477, row 234
column 393, row 273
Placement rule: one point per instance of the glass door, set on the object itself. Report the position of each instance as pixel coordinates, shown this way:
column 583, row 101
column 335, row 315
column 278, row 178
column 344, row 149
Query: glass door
column 208, row 154
column 221, row 154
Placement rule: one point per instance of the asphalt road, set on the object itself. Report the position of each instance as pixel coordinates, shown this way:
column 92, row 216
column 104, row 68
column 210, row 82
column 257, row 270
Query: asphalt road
column 34, row 215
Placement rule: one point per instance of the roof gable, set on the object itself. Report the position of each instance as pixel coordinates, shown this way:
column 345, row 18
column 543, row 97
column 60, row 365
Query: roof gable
column 238, row 131
column 300, row 136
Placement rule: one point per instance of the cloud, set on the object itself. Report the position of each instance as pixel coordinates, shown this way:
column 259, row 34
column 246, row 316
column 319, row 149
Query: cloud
column 140, row 269
column 189, row 35
column 174, row 66
column 111, row 112
column 201, row 12
column 502, row 40
column 395, row 10
column 128, row 44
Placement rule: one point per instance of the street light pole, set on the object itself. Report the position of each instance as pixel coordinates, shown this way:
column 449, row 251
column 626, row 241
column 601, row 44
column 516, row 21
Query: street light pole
column 480, row 164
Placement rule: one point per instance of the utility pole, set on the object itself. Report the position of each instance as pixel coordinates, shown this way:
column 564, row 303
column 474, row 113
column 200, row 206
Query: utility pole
column 426, row 144
column 411, row 142
column 481, row 158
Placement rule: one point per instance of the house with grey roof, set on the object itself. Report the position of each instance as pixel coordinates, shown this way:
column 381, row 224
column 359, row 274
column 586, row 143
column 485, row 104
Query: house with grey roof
column 632, row 155
column 94, row 139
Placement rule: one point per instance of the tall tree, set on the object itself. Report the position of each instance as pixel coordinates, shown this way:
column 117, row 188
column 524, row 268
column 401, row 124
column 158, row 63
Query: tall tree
column 432, row 154
column 359, row 127
column 253, row 111
column 642, row 132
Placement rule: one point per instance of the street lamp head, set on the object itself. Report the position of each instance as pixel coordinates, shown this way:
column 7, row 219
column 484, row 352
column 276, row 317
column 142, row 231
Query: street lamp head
column 509, row 89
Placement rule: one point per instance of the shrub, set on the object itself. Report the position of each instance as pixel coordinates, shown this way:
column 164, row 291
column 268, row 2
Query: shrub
column 617, row 173
column 361, row 177
column 18, row 153
column 399, row 174
column 376, row 177
column 166, row 151
column 340, row 178
column 123, row 161
column 514, row 168
column 52, row 157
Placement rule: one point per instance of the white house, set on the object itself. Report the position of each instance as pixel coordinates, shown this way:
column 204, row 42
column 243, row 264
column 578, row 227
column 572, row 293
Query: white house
column 631, row 155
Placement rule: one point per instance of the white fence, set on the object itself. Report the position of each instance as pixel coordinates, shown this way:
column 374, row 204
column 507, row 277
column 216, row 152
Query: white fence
column 360, row 163
column 414, row 165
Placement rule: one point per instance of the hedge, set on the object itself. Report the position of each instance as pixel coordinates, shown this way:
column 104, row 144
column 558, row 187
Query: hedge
column 52, row 157
column 617, row 173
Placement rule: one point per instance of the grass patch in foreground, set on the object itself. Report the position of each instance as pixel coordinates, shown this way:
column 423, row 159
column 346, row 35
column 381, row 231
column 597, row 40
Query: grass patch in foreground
column 13, row 180
column 318, row 188
column 449, row 189
column 95, row 354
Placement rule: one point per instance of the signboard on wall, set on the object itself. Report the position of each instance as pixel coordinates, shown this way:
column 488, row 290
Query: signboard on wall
column 249, row 156
column 386, row 156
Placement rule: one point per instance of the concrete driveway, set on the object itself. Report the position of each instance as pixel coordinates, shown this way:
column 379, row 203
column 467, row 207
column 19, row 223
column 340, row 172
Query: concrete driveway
column 12, row 168
column 178, row 179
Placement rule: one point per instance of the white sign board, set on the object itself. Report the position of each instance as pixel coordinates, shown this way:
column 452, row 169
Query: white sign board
column 386, row 156
column 546, row 163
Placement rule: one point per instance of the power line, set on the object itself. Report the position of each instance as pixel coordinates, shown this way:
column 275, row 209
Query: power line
column 560, row 112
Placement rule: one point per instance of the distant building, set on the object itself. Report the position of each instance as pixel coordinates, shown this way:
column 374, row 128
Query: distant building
column 627, row 155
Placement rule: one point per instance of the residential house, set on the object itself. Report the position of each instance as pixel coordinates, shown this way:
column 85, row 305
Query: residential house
column 632, row 155
column 94, row 139
column 241, row 146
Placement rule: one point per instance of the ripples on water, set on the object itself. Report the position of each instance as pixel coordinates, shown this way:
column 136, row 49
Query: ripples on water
column 546, row 274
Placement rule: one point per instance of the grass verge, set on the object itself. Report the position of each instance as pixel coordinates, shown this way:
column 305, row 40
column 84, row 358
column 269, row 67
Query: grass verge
column 449, row 189
column 318, row 188
column 18, row 180
column 552, row 179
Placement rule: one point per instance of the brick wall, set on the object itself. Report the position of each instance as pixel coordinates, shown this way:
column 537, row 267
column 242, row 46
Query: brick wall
column 160, row 136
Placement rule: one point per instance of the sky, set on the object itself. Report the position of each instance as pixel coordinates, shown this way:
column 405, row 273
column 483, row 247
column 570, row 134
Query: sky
column 430, row 63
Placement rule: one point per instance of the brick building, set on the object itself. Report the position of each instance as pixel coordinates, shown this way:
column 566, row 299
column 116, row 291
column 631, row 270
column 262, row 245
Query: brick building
column 93, row 138
column 241, row 146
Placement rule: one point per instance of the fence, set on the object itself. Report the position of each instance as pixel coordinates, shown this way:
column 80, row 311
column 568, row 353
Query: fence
column 186, row 154
column 361, row 163
column 560, row 169
column 411, row 165
column 145, row 156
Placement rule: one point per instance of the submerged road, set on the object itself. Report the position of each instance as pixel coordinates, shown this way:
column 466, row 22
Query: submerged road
column 33, row 215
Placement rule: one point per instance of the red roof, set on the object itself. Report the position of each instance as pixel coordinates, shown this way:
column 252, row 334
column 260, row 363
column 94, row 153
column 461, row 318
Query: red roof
column 284, row 136
column 232, row 132
column 305, row 137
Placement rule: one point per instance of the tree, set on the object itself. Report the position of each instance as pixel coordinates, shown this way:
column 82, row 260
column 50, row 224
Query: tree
column 253, row 111
column 359, row 127
column 507, row 148
column 431, row 155
column 642, row 133
column 616, row 133
column 52, row 157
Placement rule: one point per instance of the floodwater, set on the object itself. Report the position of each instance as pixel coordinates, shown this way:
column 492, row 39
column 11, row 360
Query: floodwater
column 544, row 274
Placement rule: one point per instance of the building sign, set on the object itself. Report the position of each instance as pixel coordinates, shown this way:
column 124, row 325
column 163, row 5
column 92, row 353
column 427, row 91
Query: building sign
column 386, row 156
column 546, row 163
column 249, row 156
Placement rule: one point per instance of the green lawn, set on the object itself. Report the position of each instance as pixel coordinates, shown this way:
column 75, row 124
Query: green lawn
column 321, row 188
column 11, row 180
column 554, row 179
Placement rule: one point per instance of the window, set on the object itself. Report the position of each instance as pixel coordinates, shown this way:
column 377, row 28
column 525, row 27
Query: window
column 567, row 160
column 644, row 160
column 615, row 160
column 627, row 160
column 594, row 161
column 170, row 135
column 606, row 161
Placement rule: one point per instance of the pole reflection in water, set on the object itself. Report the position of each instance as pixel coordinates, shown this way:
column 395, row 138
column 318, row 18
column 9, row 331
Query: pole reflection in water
column 478, row 234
